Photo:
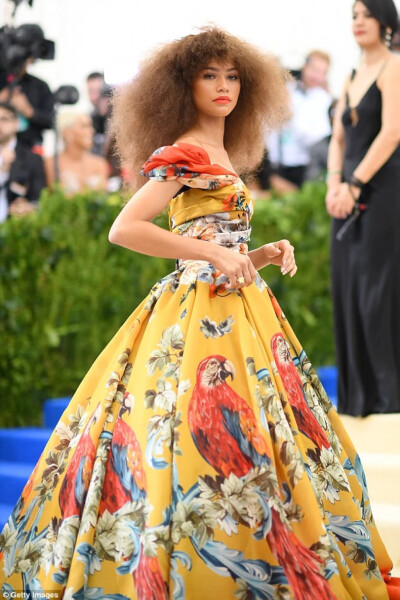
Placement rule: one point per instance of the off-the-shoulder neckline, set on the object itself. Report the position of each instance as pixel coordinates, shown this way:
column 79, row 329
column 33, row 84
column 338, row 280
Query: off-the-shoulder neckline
column 207, row 156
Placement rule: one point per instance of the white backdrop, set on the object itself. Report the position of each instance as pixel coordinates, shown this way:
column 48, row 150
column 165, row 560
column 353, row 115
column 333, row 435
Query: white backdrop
column 113, row 35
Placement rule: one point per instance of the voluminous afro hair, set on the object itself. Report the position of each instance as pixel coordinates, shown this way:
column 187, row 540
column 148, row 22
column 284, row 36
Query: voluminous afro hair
column 157, row 108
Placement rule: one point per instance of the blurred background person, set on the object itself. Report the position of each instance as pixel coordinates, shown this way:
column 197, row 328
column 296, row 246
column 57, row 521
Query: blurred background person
column 100, row 95
column 289, row 149
column 30, row 96
column 364, row 171
column 95, row 85
column 78, row 169
column 22, row 175
column 317, row 166
column 266, row 180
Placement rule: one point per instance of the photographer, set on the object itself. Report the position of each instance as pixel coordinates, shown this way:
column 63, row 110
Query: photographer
column 22, row 175
column 30, row 96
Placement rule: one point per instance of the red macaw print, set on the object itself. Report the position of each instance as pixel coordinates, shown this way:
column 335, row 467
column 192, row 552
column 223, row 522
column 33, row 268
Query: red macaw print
column 222, row 424
column 77, row 476
column 125, row 481
column 305, row 418
column 226, row 433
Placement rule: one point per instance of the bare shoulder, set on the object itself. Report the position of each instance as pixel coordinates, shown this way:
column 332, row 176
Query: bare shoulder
column 392, row 69
column 394, row 62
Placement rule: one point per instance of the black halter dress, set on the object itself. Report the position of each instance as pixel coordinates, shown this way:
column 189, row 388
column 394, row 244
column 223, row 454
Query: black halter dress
column 366, row 275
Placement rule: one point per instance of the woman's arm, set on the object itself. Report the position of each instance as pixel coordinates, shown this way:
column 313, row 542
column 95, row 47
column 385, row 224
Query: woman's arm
column 388, row 138
column 133, row 229
column 337, row 146
column 279, row 253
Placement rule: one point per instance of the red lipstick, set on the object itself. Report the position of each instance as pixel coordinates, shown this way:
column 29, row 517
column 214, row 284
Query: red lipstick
column 222, row 100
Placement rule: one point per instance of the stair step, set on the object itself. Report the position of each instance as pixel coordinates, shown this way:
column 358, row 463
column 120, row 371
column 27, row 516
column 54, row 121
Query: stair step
column 328, row 377
column 387, row 519
column 375, row 433
column 5, row 512
column 23, row 444
column 13, row 477
column 53, row 410
column 383, row 477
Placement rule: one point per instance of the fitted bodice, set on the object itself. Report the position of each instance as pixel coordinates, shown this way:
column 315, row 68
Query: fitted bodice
column 214, row 205
column 221, row 215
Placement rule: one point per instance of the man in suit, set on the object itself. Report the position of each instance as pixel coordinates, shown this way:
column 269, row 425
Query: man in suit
column 22, row 175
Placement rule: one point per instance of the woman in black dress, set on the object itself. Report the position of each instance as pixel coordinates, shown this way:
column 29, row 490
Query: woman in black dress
column 364, row 200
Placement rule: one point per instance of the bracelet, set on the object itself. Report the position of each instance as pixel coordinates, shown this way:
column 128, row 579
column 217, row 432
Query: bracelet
column 329, row 173
column 357, row 182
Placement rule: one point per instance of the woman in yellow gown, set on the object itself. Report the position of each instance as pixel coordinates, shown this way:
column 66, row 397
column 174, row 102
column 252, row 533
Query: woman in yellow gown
column 200, row 458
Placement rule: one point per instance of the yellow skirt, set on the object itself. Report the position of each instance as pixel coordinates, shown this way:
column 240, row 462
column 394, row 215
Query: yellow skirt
column 200, row 459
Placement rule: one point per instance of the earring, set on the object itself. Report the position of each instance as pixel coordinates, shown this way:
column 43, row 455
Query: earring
column 388, row 37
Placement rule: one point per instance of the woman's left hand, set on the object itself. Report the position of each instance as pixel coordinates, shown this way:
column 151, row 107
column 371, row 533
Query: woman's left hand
column 281, row 254
column 343, row 203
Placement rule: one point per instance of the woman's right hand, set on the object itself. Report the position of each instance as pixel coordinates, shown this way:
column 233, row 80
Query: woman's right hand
column 235, row 266
column 331, row 197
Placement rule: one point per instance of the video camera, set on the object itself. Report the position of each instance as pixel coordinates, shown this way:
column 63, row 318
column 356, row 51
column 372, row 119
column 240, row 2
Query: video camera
column 17, row 44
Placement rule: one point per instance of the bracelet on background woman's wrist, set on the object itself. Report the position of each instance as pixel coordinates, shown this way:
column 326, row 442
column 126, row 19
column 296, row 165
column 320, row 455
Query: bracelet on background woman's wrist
column 354, row 181
column 331, row 174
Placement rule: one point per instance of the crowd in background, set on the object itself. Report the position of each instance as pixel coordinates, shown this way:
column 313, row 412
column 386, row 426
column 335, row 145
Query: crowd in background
column 28, row 109
column 294, row 154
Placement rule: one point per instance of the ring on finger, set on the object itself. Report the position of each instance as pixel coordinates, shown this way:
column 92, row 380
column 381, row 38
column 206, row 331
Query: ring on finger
column 240, row 280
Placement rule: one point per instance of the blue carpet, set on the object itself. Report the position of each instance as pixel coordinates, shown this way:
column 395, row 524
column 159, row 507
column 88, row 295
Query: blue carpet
column 20, row 449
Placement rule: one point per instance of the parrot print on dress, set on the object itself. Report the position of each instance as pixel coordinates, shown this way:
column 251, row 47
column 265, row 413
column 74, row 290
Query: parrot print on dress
column 77, row 476
column 305, row 419
column 125, row 481
column 227, row 435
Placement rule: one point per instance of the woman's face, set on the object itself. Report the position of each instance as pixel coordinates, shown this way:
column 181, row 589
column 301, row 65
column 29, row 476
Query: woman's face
column 216, row 89
column 366, row 29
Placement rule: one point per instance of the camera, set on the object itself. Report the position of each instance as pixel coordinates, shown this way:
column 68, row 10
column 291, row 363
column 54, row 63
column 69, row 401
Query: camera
column 17, row 44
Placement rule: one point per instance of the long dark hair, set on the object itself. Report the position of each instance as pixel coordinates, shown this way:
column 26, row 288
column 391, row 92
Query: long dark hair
column 385, row 12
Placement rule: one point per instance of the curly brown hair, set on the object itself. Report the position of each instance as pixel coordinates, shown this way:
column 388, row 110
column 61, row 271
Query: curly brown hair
column 157, row 108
